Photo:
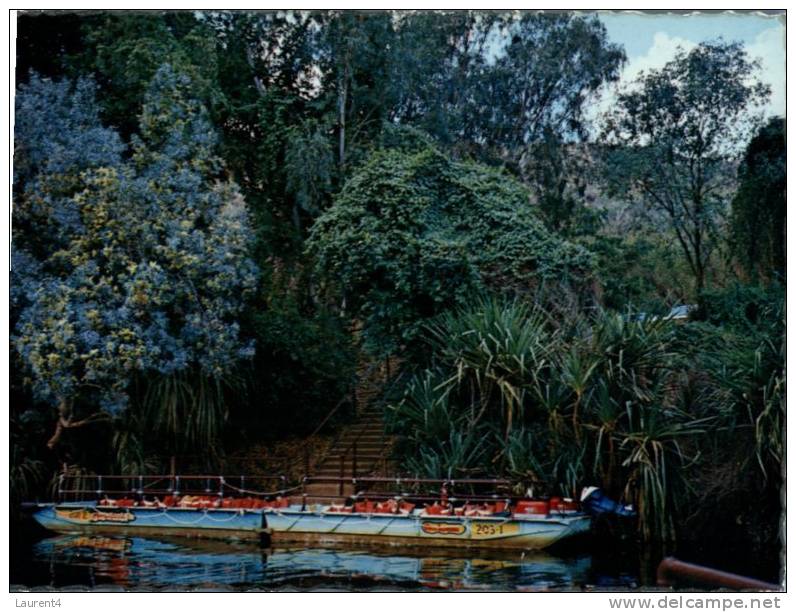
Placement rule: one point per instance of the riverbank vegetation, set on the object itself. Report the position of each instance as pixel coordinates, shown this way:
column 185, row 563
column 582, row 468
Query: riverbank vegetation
column 220, row 218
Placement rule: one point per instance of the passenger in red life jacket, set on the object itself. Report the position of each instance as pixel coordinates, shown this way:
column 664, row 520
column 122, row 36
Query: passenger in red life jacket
column 442, row 507
column 443, row 499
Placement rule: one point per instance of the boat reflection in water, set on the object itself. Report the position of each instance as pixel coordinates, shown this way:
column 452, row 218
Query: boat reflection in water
column 161, row 564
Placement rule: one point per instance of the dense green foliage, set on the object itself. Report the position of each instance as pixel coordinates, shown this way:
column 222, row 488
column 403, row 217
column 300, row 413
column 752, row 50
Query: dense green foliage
column 413, row 233
column 293, row 348
column 758, row 209
column 558, row 405
column 219, row 218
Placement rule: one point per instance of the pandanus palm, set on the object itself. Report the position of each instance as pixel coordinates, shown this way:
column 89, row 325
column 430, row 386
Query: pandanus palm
column 188, row 410
column 522, row 451
column 632, row 413
column 634, row 350
column 576, row 369
column 496, row 345
column 603, row 392
column 461, row 453
column 552, row 395
column 746, row 383
column 25, row 477
column 425, row 413
column 605, row 414
column 652, row 442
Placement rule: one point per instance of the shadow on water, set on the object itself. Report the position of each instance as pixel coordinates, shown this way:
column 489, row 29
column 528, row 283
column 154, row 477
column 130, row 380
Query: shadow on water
column 157, row 564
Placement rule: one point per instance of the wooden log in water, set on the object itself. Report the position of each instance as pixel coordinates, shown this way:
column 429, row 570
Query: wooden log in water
column 672, row 572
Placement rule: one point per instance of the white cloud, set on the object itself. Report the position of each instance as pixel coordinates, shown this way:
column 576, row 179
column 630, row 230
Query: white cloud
column 769, row 48
column 663, row 50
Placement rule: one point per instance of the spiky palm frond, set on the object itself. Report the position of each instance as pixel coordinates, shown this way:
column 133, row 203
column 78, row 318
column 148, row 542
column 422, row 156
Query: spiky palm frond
column 653, row 454
column 25, row 476
column 425, row 412
column 462, row 453
column 497, row 346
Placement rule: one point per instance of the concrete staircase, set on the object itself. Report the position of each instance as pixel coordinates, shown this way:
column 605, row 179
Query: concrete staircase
column 362, row 448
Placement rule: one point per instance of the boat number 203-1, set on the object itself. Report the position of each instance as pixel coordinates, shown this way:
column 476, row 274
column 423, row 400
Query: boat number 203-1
column 493, row 530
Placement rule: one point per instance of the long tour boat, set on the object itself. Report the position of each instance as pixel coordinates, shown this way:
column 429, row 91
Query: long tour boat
column 181, row 506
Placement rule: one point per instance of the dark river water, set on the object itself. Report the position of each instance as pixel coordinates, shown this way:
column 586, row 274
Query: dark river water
column 158, row 564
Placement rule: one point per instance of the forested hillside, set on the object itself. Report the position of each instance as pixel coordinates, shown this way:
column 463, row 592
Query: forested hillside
column 219, row 216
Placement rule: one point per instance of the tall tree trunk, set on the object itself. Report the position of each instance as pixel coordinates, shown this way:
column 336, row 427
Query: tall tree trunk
column 699, row 262
column 258, row 82
column 700, row 278
column 296, row 218
column 699, row 248
column 342, row 98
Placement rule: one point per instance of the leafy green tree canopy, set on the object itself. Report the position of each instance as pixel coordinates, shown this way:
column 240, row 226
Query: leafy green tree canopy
column 499, row 80
column 674, row 133
column 414, row 232
column 125, row 50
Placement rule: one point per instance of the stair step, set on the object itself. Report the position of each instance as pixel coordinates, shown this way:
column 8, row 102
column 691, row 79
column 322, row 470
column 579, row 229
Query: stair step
column 366, row 453
column 364, row 471
column 362, row 445
column 337, row 453
column 336, row 464
column 348, row 443
column 374, row 450
column 332, row 467
column 335, row 467
column 361, row 471
column 371, row 451
column 334, row 470
column 361, row 432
